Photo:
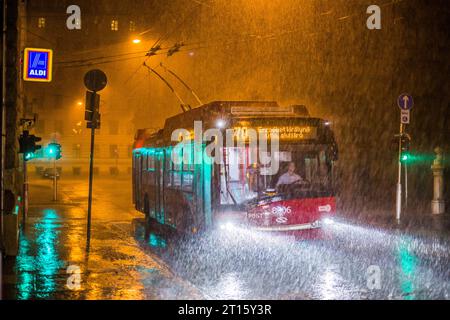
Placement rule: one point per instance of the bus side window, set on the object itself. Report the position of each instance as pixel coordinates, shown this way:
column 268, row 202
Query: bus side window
column 176, row 175
column 151, row 169
column 168, row 170
column 145, row 169
column 188, row 168
column 177, row 167
column 188, row 177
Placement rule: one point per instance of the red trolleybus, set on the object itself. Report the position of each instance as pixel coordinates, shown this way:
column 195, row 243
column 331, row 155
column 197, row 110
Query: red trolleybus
column 190, row 195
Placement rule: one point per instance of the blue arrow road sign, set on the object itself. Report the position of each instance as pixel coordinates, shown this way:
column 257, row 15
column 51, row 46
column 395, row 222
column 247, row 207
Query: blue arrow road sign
column 405, row 101
column 38, row 65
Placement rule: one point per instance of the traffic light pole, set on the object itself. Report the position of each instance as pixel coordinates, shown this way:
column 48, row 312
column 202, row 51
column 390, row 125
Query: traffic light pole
column 94, row 80
column 399, row 177
column 25, row 192
column 406, row 185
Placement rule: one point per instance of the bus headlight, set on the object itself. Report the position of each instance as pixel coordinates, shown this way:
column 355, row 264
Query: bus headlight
column 226, row 226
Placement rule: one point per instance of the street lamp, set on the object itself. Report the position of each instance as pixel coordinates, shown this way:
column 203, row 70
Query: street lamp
column 136, row 41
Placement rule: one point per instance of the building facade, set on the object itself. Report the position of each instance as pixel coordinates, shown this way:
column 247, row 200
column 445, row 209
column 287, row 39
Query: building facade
column 107, row 28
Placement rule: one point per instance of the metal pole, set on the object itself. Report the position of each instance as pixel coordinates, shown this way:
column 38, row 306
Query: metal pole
column 91, row 169
column 55, row 191
column 25, row 192
column 406, row 185
column 399, row 177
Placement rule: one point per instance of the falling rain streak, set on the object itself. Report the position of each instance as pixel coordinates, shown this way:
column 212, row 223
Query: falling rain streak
column 314, row 193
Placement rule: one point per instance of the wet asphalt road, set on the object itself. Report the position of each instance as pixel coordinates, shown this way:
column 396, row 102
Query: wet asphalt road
column 355, row 263
column 131, row 261
column 116, row 267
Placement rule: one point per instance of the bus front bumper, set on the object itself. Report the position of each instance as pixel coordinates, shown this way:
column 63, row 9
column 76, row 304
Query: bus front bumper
column 292, row 227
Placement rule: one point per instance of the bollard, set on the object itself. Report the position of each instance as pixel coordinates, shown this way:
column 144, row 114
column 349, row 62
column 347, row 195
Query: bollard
column 438, row 203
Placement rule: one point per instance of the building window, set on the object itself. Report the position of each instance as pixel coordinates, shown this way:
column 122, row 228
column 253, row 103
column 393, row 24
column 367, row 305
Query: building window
column 115, row 25
column 77, row 151
column 41, row 23
column 132, row 26
column 113, row 127
column 113, row 151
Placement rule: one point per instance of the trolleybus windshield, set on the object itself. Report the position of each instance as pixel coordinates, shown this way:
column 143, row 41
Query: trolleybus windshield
column 302, row 168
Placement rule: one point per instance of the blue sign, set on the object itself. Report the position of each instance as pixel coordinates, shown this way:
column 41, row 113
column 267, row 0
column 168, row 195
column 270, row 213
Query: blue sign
column 38, row 65
column 405, row 101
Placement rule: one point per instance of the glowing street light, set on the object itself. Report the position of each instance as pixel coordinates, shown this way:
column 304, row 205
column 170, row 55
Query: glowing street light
column 136, row 41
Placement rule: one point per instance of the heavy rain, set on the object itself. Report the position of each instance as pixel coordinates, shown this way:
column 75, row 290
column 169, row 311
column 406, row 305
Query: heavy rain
column 349, row 98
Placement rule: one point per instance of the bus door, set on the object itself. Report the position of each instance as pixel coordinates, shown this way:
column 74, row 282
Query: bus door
column 202, row 194
column 159, row 194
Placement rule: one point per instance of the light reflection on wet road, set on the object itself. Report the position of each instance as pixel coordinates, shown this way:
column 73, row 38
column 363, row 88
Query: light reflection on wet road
column 129, row 261
column 115, row 268
column 241, row 264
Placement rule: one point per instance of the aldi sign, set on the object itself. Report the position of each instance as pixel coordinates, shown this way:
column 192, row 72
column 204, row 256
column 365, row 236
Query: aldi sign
column 38, row 65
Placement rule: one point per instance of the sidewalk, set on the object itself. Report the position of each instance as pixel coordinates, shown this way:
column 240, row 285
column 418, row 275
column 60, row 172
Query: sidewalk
column 52, row 255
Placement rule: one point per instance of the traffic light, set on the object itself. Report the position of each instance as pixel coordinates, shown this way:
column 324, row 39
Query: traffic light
column 28, row 145
column 53, row 150
column 91, row 114
column 405, row 142
column 28, row 156
column 405, row 157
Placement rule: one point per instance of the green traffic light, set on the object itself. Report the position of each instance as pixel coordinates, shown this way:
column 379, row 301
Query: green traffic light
column 410, row 158
column 28, row 156
column 53, row 150
column 50, row 151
